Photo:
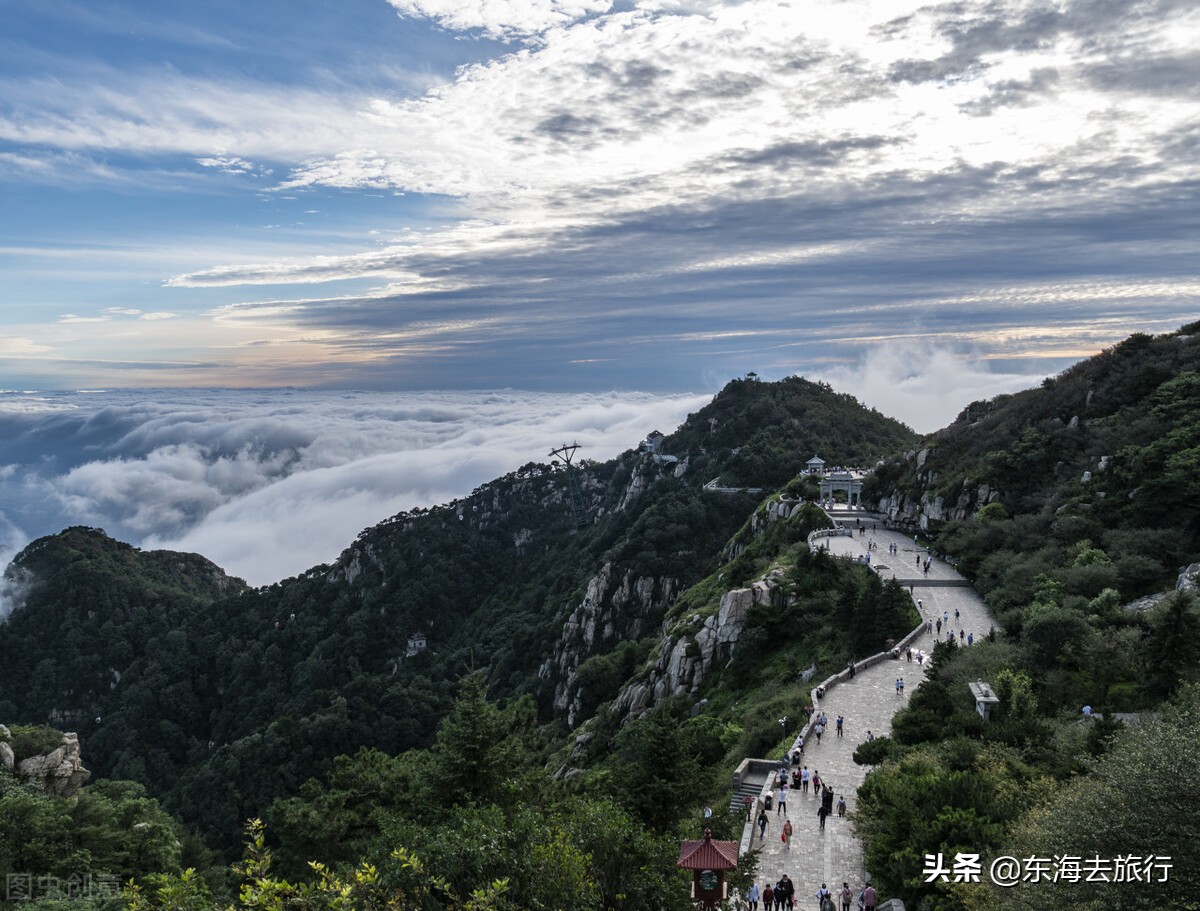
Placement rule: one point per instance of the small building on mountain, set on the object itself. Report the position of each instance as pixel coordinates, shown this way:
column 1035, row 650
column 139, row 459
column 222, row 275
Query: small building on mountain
column 653, row 442
column 416, row 644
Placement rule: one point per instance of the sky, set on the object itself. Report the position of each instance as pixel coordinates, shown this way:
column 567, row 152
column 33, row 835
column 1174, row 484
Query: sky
column 905, row 198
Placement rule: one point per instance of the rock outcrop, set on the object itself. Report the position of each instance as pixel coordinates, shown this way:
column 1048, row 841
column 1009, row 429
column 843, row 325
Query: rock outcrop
column 1189, row 579
column 614, row 608
column 913, row 510
column 60, row 771
column 685, row 659
column 7, row 758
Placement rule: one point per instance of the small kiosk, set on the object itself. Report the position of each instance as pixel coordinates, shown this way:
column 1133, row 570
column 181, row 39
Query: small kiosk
column 986, row 699
column 708, row 860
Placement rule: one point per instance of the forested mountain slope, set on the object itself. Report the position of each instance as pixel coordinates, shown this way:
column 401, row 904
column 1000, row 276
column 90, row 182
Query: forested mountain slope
column 222, row 699
column 1074, row 509
column 621, row 671
column 1116, row 437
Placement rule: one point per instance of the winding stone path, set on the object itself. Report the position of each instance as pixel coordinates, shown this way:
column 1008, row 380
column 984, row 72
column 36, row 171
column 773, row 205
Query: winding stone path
column 867, row 702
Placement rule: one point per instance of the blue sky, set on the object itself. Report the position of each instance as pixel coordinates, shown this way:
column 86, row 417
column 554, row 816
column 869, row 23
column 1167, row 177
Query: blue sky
column 580, row 195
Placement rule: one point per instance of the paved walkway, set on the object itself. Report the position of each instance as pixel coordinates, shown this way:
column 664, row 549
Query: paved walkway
column 867, row 702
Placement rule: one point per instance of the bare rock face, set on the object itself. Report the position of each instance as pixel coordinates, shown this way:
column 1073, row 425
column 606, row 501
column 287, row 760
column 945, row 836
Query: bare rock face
column 60, row 771
column 7, row 758
column 1189, row 579
column 616, row 607
column 683, row 662
column 926, row 508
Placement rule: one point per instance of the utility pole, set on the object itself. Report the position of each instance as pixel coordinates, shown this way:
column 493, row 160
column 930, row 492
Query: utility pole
column 578, row 510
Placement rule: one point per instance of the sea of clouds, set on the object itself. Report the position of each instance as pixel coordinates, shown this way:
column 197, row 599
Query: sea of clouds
column 267, row 484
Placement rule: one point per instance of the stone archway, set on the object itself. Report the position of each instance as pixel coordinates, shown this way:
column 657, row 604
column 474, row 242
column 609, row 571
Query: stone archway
column 843, row 482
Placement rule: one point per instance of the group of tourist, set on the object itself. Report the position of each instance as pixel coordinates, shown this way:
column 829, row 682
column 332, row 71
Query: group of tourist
column 789, row 780
column 793, row 776
column 964, row 638
column 782, row 896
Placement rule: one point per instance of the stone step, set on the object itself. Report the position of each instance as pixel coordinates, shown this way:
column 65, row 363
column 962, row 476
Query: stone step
column 750, row 788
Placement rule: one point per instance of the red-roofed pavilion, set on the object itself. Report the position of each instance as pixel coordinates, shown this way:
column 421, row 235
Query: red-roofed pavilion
column 708, row 860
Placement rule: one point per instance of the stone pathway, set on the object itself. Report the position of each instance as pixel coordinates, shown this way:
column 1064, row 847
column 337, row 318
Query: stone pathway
column 867, row 702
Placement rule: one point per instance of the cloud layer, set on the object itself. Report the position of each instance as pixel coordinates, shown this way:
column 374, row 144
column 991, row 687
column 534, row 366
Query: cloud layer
column 743, row 184
column 269, row 484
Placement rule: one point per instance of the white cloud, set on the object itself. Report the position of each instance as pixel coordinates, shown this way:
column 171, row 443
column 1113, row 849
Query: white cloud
column 230, row 164
column 268, row 484
column 502, row 18
column 776, row 136
column 759, row 100
column 69, row 318
column 923, row 385
column 11, row 542
column 19, row 346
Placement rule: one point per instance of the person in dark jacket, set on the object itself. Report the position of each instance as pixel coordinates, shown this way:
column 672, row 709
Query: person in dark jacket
column 785, row 893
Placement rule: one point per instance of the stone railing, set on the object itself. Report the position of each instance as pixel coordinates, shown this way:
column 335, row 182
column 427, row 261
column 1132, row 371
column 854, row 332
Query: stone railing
column 815, row 696
column 712, row 486
column 828, row 533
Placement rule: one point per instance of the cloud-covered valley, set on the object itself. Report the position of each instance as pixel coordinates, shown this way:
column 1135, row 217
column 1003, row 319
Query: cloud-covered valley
column 267, row 484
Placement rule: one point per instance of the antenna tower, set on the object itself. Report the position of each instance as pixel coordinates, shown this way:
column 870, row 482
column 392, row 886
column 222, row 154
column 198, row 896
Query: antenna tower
column 578, row 510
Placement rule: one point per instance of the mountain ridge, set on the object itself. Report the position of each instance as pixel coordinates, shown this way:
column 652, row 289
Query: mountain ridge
column 490, row 579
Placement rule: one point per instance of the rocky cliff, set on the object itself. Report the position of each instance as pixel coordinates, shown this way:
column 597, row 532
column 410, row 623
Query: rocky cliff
column 693, row 645
column 615, row 607
column 686, row 655
column 926, row 504
column 60, row 771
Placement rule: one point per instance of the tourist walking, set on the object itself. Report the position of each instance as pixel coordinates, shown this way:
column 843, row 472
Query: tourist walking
column 824, row 898
column 782, row 807
column 768, row 897
column 841, row 807
column 846, row 895
column 789, row 892
column 804, row 775
column 840, row 719
column 762, row 823
column 870, row 898
column 787, row 835
column 752, row 897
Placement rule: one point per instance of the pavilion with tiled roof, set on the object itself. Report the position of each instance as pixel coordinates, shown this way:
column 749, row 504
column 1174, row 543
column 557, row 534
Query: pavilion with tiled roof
column 708, row 860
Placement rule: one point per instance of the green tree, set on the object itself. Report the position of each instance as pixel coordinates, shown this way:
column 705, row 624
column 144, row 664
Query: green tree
column 657, row 769
column 1142, row 798
column 1015, row 691
column 480, row 755
column 1173, row 652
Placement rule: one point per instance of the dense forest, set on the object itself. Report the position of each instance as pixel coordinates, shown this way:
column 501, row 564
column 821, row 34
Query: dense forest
column 502, row 766
column 1095, row 506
